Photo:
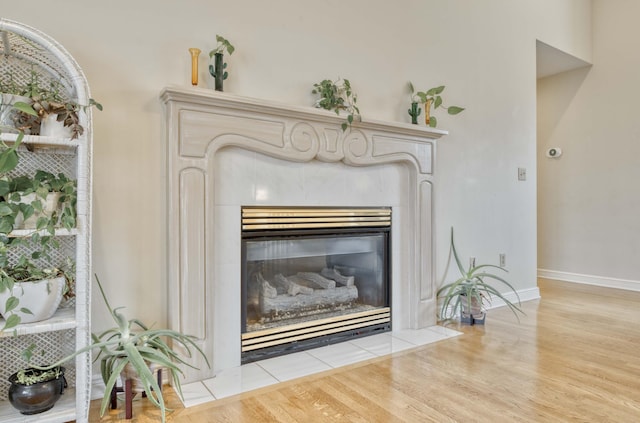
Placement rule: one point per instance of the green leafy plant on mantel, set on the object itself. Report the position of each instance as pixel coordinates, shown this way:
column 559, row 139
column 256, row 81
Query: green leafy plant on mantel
column 131, row 343
column 219, row 66
column 466, row 295
column 429, row 98
column 338, row 96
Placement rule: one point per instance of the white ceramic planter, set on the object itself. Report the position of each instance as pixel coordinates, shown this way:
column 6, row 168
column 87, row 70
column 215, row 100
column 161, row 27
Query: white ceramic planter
column 42, row 298
column 51, row 204
column 129, row 372
column 51, row 127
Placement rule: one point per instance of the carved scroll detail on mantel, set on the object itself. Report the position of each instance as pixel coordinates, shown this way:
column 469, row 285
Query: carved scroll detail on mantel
column 200, row 123
column 211, row 120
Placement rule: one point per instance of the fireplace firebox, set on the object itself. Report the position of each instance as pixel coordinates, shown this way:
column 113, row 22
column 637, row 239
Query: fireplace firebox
column 313, row 276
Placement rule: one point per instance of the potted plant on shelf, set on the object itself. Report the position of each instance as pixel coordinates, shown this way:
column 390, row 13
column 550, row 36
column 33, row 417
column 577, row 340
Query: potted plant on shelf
column 31, row 289
column 218, row 68
column 337, row 96
column 35, row 391
column 134, row 347
column 44, row 201
column 431, row 97
column 12, row 101
column 54, row 114
column 467, row 295
column 30, row 293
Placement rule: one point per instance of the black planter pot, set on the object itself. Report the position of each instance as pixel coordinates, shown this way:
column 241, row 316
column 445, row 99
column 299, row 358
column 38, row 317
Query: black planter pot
column 38, row 397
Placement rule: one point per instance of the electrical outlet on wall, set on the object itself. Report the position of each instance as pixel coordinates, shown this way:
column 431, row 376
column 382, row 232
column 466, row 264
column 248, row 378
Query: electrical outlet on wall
column 503, row 260
column 522, row 174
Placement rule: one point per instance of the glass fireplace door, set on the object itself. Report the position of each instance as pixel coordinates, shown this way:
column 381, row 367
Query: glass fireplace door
column 309, row 287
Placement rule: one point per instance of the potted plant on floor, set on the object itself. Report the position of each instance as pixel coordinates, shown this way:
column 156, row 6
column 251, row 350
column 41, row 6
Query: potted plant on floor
column 338, row 96
column 136, row 347
column 467, row 295
column 431, row 97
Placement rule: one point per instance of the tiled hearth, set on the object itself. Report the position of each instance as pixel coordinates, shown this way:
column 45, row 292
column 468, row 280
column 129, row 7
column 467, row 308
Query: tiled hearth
column 268, row 372
column 225, row 152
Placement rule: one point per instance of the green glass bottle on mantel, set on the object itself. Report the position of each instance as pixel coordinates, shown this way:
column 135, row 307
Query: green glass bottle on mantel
column 218, row 68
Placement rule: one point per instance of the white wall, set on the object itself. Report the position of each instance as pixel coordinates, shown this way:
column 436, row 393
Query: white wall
column 484, row 51
column 566, row 25
column 589, row 199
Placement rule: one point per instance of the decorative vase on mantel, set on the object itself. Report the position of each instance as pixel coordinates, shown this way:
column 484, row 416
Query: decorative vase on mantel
column 217, row 70
column 414, row 112
column 427, row 112
column 195, row 53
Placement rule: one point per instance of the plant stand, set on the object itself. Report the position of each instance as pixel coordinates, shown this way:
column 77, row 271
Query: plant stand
column 128, row 395
column 470, row 320
column 25, row 50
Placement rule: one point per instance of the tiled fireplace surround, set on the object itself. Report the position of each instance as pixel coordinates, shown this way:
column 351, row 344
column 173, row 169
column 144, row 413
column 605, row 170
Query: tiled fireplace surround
column 225, row 151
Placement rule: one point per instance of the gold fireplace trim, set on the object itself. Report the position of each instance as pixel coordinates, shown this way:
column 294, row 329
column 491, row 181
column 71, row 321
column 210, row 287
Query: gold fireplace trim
column 261, row 218
column 301, row 331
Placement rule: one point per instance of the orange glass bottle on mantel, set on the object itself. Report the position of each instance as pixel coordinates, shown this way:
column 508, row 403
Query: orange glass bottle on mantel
column 195, row 53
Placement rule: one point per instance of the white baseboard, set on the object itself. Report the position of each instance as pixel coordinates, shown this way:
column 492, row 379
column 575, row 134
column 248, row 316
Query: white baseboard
column 524, row 294
column 604, row 281
column 97, row 386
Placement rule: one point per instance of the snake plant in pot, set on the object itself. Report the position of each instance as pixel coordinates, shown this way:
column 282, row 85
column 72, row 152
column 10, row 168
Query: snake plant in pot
column 132, row 346
column 472, row 290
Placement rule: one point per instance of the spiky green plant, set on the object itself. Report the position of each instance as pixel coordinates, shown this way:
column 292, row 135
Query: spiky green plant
column 133, row 342
column 472, row 287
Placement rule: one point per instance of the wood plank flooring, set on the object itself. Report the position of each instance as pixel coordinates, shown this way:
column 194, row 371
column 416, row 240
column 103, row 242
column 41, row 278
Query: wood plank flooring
column 574, row 357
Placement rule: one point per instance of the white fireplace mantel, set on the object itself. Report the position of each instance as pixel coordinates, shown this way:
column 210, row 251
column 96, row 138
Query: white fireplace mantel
column 225, row 151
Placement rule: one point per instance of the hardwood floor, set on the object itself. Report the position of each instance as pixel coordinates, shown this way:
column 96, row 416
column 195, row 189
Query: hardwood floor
column 575, row 356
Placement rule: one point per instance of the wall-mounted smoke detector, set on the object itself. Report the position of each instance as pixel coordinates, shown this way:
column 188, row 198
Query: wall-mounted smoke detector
column 554, row 152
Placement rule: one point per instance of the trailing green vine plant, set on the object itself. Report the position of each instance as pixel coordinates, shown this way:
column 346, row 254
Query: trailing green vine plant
column 429, row 98
column 338, row 96
column 29, row 376
column 30, row 249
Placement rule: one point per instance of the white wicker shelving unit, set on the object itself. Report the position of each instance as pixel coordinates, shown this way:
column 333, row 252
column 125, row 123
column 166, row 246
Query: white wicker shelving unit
column 22, row 50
